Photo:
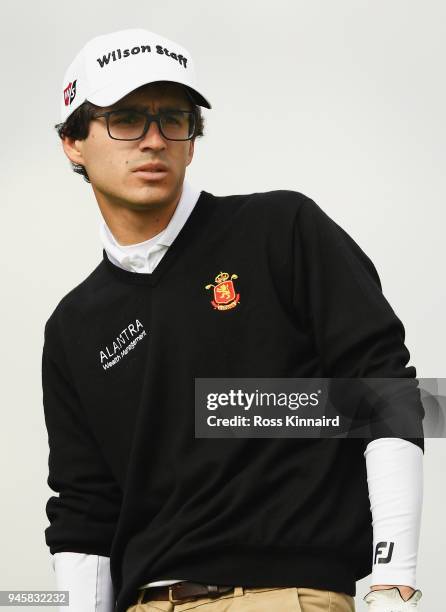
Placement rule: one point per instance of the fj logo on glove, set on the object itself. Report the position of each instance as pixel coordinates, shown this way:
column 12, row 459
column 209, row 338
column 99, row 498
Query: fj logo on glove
column 225, row 296
column 383, row 552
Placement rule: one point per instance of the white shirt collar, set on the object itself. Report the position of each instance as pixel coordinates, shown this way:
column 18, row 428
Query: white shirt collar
column 125, row 256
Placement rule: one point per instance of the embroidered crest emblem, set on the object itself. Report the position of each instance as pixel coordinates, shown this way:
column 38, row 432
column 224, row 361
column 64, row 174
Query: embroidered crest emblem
column 225, row 296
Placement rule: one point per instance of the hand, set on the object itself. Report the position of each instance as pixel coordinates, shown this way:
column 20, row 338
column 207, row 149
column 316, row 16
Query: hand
column 390, row 600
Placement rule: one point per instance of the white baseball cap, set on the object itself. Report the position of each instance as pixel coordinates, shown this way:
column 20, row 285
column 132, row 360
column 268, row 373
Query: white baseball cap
column 109, row 67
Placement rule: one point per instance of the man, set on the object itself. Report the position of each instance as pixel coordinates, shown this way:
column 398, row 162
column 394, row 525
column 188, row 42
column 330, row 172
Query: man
column 149, row 516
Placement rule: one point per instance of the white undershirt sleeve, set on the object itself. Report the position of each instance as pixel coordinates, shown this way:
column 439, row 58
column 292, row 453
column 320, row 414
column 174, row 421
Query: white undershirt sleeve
column 395, row 481
column 88, row 580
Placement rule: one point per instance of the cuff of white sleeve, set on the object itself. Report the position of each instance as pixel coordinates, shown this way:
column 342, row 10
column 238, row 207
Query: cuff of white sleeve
column 405, row 578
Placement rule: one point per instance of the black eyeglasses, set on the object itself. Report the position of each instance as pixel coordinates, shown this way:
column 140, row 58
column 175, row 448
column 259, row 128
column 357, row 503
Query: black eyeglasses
column 130, row 124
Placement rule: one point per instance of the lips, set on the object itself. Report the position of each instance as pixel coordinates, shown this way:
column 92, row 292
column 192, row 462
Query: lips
column 152, row 167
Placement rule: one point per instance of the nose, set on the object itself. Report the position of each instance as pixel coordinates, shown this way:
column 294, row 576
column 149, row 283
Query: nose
column 153, row 139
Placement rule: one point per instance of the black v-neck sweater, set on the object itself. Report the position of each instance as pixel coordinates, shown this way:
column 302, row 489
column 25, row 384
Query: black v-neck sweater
column 121, row 353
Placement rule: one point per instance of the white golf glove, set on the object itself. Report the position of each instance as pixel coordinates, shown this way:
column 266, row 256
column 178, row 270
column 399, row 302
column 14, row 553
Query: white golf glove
column 390, row 600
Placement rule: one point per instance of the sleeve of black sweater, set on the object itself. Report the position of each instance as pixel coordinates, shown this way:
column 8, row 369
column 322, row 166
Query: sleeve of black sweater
column 356, row 332
column 84, row 514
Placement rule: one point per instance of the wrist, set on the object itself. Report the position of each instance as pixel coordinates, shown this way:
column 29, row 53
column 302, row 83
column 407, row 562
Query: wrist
column 406, row 591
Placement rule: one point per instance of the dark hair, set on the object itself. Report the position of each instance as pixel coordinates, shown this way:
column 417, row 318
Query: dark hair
column 77, row 126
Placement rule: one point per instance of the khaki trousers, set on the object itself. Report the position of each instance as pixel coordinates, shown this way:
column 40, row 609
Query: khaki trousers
column 270, row 599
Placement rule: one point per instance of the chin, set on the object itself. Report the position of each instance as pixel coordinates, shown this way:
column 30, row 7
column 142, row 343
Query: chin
column 150, row 195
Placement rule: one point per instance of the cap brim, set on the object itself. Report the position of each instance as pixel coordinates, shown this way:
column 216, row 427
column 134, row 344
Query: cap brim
column 115, row 92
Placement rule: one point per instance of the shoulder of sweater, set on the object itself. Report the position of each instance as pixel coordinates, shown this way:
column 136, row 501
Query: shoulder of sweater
column 278, row 208
column 77, row 299
column 285, row 199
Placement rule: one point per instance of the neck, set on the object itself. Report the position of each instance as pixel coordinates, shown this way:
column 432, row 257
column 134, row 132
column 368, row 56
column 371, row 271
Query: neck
column 134, row 223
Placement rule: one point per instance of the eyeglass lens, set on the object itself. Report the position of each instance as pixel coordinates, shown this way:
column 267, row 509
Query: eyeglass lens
column 129, row 125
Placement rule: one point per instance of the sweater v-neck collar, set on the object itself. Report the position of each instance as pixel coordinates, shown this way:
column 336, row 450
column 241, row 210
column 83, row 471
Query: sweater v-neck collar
column 188, row 232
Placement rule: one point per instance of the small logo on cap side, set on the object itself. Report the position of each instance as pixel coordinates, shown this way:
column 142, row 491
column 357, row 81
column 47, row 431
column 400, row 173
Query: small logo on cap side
column 69, row 93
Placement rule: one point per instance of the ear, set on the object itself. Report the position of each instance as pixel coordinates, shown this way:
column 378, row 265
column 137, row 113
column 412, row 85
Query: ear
column 73, row 150
column 190, row 153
